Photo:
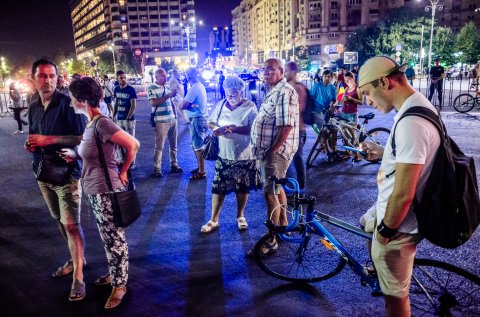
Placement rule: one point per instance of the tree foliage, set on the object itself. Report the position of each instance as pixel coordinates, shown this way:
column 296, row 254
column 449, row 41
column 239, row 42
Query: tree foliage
column 444, row 45
column 302, row 57
column 468, row 42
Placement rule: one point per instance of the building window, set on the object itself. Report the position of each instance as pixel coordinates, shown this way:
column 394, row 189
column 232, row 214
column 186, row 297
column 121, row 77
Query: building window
column 333, row 35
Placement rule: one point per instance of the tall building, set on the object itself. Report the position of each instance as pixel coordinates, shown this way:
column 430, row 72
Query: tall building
column 159, row 29
column 267, row 28
column 221, row 40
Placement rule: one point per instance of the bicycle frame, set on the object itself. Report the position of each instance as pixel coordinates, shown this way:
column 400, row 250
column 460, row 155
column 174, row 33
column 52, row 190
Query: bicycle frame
column 313, row 225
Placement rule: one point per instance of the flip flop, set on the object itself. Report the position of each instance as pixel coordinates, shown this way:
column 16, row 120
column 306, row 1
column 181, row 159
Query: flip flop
column 103, row 280
column 115, row 299
column 66, row 269
column 242, row 223
column 77, row 292
column 209, row 226
column 198, row 175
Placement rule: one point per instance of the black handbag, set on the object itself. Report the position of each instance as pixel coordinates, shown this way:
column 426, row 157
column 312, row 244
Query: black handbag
column 210, row 144
column 52, row 169
column 125, row 204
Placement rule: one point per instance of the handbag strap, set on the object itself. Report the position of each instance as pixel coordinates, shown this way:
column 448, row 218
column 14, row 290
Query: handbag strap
column 101, row 155
column 221, row 108
column 154, row 112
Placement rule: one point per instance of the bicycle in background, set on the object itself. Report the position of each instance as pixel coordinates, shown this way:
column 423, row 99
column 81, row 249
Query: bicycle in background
column 466, row 102
column 351, row 135
column 307, row 252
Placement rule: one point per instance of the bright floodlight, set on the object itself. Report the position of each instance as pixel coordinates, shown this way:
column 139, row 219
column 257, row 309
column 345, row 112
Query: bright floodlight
column 207, row 74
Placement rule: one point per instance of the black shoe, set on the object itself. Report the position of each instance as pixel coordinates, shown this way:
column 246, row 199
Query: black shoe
column 176, row 169
column 157, row 173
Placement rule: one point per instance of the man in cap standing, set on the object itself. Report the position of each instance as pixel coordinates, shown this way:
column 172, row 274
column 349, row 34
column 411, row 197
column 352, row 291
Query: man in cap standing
column 401, row 177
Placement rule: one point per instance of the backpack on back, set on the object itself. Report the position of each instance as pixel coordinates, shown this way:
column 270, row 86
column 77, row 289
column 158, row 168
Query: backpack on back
column 449, row 211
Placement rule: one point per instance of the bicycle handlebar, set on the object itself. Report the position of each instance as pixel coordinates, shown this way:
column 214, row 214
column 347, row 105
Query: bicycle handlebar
column 285, row 181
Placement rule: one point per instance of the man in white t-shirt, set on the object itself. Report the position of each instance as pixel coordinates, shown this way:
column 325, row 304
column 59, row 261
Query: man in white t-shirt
column 195, row 104
column 400, row 178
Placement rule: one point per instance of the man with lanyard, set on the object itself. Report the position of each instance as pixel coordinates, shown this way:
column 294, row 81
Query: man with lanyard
column 125, row 103
column 325, row 97
column 195, row 102
column 437, row 73
column 53, row 125
column 402, row 177
column 165, row 118
column 274, row 136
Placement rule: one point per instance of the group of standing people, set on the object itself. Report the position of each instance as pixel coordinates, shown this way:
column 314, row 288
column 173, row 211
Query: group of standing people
column 253, row 147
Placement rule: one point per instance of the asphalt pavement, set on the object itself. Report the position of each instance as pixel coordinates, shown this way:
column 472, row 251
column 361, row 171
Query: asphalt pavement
column 175, row 270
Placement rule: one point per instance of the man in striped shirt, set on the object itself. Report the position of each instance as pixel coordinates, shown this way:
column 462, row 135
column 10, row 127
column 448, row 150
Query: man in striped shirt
column 274, row 135
column 165, row 118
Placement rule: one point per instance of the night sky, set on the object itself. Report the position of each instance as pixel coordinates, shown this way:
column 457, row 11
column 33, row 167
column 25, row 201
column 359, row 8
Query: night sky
column 34, row 28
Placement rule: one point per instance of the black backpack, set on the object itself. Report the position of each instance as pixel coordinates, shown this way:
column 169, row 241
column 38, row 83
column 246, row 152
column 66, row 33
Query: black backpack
column 449, row 211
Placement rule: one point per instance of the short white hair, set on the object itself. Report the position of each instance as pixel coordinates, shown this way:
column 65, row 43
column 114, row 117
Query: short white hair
column 277, row 61
column 234, row 82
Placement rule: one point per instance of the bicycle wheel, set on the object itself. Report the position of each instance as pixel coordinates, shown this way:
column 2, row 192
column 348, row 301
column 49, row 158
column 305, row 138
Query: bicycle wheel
column 304, row 260
column 315, row 151
column 376, row 135
column 464, row 103
column 442, row 289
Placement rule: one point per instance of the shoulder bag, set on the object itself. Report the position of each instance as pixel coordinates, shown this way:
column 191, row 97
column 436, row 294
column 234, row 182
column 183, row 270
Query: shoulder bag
column 211, row 149
column 125, row 204
column 52, row 169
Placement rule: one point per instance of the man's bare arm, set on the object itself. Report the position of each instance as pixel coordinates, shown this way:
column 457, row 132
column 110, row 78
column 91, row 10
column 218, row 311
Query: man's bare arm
column 133, row 105
column 406, row 180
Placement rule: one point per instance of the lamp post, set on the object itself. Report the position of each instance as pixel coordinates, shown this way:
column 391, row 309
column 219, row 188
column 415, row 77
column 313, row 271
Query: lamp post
column 434, row 6
column 188, row 27
column 112, row 49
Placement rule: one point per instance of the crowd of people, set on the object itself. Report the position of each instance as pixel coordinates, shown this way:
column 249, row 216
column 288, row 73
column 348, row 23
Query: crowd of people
column 254, row 145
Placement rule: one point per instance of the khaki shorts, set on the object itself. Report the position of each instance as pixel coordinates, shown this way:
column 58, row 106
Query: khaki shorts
column 273, row 165
column 63, row 201
column 394, row 263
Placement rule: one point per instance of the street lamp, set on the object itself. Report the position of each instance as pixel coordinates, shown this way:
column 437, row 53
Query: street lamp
column 112, row 49
column 434, row 6
column 188, row 27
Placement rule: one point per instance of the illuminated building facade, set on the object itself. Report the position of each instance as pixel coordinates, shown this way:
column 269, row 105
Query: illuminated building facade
column 156, row 28
column 267, row 28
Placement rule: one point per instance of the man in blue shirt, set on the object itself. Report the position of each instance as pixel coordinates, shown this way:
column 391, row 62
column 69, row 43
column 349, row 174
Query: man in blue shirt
column 125, row 103
column 325, row 97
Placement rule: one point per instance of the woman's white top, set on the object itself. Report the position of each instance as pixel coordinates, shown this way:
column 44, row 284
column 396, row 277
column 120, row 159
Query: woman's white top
column 234, row 146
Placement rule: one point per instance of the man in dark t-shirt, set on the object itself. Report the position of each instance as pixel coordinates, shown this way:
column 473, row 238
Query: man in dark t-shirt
column 125, row 103
column 437, row 73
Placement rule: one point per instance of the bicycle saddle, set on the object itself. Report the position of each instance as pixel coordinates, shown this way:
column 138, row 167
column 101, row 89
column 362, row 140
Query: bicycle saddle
column 368, row 116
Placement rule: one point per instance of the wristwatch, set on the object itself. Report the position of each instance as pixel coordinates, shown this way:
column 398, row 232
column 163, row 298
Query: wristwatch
column 386, row 231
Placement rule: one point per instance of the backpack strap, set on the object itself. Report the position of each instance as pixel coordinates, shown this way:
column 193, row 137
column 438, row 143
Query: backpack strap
column 426, row 114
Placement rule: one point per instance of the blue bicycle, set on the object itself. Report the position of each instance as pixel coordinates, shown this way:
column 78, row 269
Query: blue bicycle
column 305, row 251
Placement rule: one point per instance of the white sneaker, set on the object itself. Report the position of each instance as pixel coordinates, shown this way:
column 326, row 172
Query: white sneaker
column 17, row 132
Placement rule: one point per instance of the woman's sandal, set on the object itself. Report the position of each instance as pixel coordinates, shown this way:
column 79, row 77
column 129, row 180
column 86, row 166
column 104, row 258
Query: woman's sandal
column 209, row 226
column 66, row 269
column 198, row 175
column 103, row 280
column 116, row 297
column 242, row 223
column 77, row 292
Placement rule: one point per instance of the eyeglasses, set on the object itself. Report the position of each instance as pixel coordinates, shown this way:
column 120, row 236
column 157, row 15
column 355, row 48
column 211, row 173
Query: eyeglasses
column 235, row 95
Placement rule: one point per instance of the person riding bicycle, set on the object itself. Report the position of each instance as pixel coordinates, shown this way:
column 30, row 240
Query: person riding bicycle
column 324, row 95
column 401, row 177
